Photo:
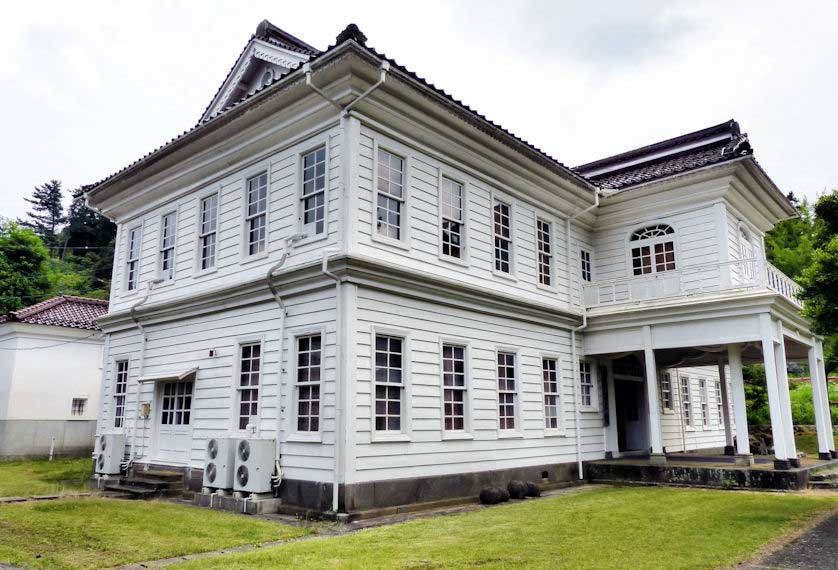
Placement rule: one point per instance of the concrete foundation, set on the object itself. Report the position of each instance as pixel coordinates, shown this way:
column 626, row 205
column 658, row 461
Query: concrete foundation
column 31, row 439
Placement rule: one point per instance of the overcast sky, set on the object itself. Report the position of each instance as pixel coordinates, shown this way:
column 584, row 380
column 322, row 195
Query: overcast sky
column 88, row 87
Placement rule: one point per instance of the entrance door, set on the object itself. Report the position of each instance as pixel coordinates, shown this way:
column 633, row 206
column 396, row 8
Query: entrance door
column 631, row 419
column 174, row 435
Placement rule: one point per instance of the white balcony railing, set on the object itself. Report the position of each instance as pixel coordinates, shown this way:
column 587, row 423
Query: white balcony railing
column 747, row 274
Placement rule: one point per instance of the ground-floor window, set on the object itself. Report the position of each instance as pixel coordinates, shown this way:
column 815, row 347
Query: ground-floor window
column 586, row 381
column 77, row 406
column 686, row 400
column 666, row 391
column 454, row 386
column 309, row 362
column 119, row 390
column 702, row 394
column 250, row 370
column 389, row 382
column 176, row 405
column 719, row 412
column 550, row 377
column 506, row 390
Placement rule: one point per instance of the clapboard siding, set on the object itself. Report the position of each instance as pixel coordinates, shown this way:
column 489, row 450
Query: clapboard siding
column 677, row 436
column 422, row 244
column 186, row 343
column 232, row 267
column 426, row 325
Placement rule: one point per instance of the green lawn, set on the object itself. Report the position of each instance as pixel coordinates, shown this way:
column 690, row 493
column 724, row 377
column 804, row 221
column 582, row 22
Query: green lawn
column 808, row 443
column 42, row 477
column 603, row 528
column 96, row 533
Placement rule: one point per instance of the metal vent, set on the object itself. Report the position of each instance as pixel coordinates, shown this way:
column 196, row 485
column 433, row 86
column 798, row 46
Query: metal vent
column 103, row 442
column 212, row 449
column 242, row 475
column 244, row 450
column 211, row 472
column 100, row 461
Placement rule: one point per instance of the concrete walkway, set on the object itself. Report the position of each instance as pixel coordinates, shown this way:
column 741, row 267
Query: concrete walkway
column 816, row 549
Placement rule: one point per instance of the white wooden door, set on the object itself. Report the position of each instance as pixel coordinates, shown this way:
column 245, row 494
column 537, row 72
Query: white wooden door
column 174, row 434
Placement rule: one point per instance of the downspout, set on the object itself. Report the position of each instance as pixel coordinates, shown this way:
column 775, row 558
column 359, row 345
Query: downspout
column 344, row 109
column 289, row 245
column 577, row 420
column 143, row 343
column 341, row 342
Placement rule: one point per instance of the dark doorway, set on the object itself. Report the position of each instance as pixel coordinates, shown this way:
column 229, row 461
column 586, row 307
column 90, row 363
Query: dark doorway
column 631, row 420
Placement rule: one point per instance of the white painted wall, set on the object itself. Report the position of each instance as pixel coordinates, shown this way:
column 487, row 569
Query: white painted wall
column 680, row 436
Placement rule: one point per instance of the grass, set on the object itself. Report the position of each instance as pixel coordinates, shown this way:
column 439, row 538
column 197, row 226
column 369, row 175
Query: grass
column 602, row 528
column 42, row 477
column 808, row 443
column 96, row 533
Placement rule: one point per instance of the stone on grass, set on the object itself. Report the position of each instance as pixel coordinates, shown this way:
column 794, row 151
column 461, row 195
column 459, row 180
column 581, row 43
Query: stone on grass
column 533, row 490
column 492, row 495
column 517, row 489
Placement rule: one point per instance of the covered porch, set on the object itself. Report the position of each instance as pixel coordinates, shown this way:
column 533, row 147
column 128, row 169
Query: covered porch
column 721, row 337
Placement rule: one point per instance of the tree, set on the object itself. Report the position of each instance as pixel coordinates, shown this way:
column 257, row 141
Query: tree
column 23, row 268
column 87, row 247
column 47, row 211
column 790, row 245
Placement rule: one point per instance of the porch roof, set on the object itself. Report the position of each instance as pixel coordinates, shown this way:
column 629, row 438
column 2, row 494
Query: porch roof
column 168, row 376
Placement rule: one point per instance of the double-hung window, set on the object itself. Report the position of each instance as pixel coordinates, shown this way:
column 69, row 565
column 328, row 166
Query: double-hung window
column 666, row 391
column 309, row 361
column 550, row 377
column 586, row 382
column 502, row 231
column 208, row 231
column 256, row 214
column 390, row 193
column 585, row 258
column 452, row 219
column 168, row 232
column 719, row 405
column 250, row 370
column 314, row 192
column 686, row 400
column 389, row 382
column 653, row 249
column 543, row 235
column 705, row 411
column 120, row 388
column 507, row 390
column 132, row 264
column 454, row 386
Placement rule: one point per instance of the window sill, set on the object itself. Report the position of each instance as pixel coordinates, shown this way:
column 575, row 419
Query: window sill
column 689, row 428
column 554, row 433
column 547, row 288
column 312, row 238
column 504, row 276
column 510, row 435
column 397, row 243
column 299, row 437
column 454, row 436
column 459, row 261
column 254, row 258
column 204, row 272
column 588, row 409
column 383, row 437
column 165, row 284
column 668, row 412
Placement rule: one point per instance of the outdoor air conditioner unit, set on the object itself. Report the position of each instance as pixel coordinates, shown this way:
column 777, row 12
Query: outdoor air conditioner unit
column 110, row 452
column 219, row 467
column 254, row 465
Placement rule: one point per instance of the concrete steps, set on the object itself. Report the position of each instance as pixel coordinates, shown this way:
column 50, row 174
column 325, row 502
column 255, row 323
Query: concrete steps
column 827, row 480
column 147, row 484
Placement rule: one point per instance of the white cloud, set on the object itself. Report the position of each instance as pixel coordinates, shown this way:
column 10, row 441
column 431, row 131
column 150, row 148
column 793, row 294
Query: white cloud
column 89, row 87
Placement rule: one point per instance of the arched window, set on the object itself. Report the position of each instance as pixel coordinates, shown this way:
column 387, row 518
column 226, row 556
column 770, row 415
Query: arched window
column 653, row 249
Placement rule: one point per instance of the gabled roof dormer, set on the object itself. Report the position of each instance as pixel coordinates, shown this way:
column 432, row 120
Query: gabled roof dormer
column 270, row 53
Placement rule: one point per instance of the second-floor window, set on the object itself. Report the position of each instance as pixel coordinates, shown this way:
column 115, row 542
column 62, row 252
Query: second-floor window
column 256, row 216
column 314, row 192
column 120, row 388
column 544, row 232
column 452, row 218
column 132, row 264
column 653, row 249
column 585, row 258
column 389, row 195
column 208, row 231
column 168, row 231
column 502, row 231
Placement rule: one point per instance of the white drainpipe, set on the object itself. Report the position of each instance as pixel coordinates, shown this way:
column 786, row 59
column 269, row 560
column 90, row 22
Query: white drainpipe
column 289, row 245
column 574, row 361
column 341, row 343
column 384, row 68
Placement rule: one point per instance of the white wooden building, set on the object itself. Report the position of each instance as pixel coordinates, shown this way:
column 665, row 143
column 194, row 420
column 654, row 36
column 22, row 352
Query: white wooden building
column 414, row 301
column 50, row 377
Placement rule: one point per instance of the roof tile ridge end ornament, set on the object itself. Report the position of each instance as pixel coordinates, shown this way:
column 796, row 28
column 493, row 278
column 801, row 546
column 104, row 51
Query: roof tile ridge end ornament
column 351, row 32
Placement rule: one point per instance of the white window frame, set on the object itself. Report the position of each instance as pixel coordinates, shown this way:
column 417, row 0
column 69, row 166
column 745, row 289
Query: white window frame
column 247, row 175
column 405, row 433
column 593, row 406
column 497, row 197
column 237, row 387
column 687, row 412
column 402, row 152
column 199, row 233
column 115, row 394
column 560, row 430
column 704, row 399
column 651, row 243
column 129, row 259
column 464, row 223
column 717, row 389
column 162, row 248
column 466, row 432
column 320, row 143
column 551, row 264
column 518, row 430
column 665, row 379
column 294, row 433
column 586, row 258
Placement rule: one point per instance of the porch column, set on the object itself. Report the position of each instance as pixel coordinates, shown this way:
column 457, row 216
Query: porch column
column 655, row 436
column 827, row 413
column 816, row 382
column 775, row 407
column 611, row 441
column 725, row 408
column 740, row 414
column 785, row 398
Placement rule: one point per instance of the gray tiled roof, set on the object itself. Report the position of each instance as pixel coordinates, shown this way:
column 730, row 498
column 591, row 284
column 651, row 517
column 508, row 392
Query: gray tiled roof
column 63, row 311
